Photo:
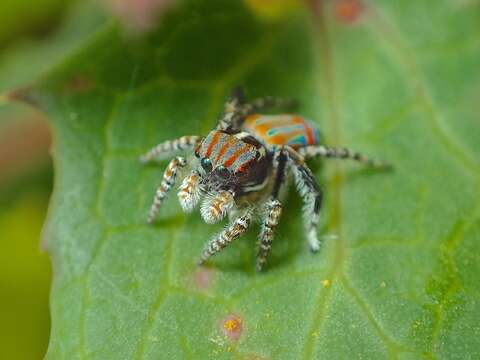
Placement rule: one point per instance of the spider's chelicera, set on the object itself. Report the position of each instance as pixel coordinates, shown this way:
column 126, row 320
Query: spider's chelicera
column 240, row 167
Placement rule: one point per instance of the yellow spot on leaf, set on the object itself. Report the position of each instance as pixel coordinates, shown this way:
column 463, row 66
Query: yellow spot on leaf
column 326, row 283
column 273, row 10
column 231, row 324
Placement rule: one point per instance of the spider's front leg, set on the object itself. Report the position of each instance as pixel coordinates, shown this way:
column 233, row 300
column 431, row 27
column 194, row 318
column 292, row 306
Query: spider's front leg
column 169, row 147
column 312, row 196
column 233, row 231
column 169, row 177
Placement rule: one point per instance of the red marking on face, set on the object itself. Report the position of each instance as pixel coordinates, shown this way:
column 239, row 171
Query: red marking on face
column 203, row 278
column 348, row 11
column 232, row 326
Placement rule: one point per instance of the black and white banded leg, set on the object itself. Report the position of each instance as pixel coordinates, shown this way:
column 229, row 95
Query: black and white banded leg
column 232, row 112
column 169, row 177
column 170, row 146
column 269, row 102
column 272, row 217
column 233, row 231
column 312, row 151
column 312, row 197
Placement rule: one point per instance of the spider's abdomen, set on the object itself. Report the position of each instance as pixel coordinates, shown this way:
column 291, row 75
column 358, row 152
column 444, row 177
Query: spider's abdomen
column 283, row 129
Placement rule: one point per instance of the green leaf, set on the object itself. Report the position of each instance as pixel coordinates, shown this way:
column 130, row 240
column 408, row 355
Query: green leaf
column 397, row 275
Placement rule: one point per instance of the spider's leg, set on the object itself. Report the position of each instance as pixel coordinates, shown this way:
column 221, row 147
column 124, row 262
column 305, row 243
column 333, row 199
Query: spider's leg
column 169, row 177
column 233, row 231
column 340, row 153
column 312, row 196
column 267, row 102
column 231, row 117
column 170, row 146
column 273, row 209
column 270, row 222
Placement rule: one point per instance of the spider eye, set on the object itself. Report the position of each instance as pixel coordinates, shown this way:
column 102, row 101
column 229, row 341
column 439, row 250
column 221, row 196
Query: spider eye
column 206, row 164
column 222, row 172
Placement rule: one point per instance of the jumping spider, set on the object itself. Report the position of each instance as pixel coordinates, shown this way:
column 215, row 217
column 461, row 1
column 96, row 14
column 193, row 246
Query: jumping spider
column 240, row 167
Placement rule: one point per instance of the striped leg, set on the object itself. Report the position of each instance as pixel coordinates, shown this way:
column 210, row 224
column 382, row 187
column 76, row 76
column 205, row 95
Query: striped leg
column 169, row 177
column 170, row 146
column 341, row 153
column 270, row 102
column 273, row 212
column 231, row 233
column 232, row 110
column 312, row 197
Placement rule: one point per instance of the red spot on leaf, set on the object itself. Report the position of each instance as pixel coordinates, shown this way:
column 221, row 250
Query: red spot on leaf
column 232, row 327
column 203, row 278
column 139, row 15
column 349, row 11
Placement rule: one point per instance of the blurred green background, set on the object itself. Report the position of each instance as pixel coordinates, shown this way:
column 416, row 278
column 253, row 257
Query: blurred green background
column 26, row 29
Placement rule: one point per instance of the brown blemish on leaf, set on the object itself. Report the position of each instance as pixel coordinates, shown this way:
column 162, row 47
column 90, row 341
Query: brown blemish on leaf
column 348, row 11
column 79, row 83
column 232, row 327
column 24, row 94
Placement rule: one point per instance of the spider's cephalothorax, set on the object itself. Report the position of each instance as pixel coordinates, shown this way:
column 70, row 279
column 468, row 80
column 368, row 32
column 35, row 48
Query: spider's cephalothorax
column 239, row 168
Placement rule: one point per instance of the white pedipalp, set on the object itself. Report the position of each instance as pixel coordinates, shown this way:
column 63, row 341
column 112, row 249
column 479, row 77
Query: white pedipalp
column 190, row 192
column 216, row 206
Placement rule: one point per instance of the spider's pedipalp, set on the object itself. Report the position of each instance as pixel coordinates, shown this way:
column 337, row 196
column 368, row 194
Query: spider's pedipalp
column 231, row 233
column 216, row 206
column 170, row 146
column 190, row 192
column 169, row 177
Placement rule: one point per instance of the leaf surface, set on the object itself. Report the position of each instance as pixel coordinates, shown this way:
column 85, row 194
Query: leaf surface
column 397, row 275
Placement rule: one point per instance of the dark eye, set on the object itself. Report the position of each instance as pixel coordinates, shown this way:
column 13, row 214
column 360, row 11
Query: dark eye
column 222, row 172
column 206, row 164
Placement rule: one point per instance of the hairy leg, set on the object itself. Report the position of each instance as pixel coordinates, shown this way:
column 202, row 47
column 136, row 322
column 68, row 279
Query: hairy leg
column 169, row 177
column 170, row 146
column 269, row 224
column 269, row 102
column 312, row 151
column 311, row 194
column 227, row 236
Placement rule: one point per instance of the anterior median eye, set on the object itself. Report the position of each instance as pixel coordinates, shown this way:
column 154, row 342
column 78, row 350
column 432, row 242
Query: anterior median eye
column 222, row 172
column 206, row 164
